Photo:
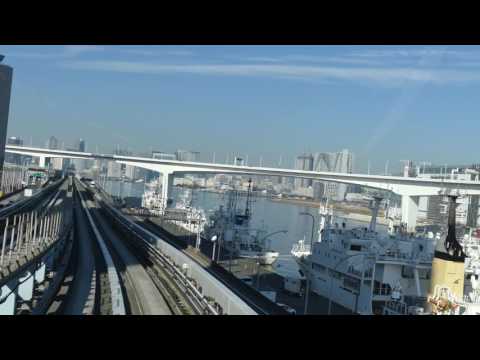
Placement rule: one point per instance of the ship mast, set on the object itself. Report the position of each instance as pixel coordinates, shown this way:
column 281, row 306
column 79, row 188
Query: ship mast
column 248, row 212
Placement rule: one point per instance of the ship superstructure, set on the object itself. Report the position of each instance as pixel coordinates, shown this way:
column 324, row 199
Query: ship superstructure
column 233, row 228
column 184, row 214
column 362, row 269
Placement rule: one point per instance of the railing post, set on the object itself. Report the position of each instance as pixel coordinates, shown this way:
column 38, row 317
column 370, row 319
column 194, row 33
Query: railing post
column 56, row 224
column 12, row 237
column 35, row 230
column 27, row 231
column 19, row 235
column 40, row 232
column 4, row 243
column 54, row 229
column 47, row 228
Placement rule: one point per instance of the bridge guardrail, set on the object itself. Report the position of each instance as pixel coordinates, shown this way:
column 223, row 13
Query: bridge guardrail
column 8, row 210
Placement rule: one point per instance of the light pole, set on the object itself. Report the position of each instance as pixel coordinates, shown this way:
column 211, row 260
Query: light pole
column 214, row 240
column 331, row 281
column 307, row 291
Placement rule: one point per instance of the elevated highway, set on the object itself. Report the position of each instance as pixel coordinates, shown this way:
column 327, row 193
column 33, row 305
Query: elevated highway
column 409, row 188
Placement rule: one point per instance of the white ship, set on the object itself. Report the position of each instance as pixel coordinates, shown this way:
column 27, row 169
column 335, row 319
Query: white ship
column 195, row 218
column 232, row 228
column 183, row 214
column 361, row 269
column 152, row 200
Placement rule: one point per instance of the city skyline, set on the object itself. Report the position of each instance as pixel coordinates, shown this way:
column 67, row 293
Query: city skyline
column 271, row 101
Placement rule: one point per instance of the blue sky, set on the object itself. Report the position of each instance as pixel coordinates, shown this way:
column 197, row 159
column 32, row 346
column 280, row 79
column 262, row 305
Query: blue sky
column 381, row 102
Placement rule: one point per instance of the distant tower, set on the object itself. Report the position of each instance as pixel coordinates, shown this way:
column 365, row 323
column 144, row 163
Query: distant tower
column 340, row 162
column 304, row 162
column 52, row 143
column 81, row 145
column 6, row 73
column 408, row 170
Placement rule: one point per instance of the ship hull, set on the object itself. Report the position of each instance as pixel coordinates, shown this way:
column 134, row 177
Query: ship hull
column 333, row 290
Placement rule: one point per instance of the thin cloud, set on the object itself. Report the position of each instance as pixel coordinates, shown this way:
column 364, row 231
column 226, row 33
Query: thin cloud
column 307, row 59
column 159, row 53
column 65, row 52
column 74, row 50
column 418, row 54
column 388, row 76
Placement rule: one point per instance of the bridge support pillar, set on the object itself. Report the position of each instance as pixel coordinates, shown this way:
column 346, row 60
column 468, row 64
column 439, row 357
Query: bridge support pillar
column 167, row 184
column 25, row 289
column 409, row 211
column 9, row 297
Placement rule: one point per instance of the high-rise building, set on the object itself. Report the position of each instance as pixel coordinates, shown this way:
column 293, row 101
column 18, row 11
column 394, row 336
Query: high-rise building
column 80, row 145
column 186, row 155
column 57, row 163
column 130, row 172
column 52, row 143
column 239, row 161
column 114, row 170
column 340, row 162
column 303, row 162
column 467, row 211
column 163, row 155
column 14, row 158
column 80, row 164
column 6, row 73
column 13, row 140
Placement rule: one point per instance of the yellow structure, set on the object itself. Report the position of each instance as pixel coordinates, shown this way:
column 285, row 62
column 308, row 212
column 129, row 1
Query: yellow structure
column 448, row 273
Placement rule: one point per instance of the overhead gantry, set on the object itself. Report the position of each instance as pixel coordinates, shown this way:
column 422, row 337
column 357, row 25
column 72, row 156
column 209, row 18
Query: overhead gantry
column 410, row 189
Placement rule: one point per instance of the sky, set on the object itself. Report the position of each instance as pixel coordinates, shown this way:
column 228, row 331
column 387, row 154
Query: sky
column 384, row 103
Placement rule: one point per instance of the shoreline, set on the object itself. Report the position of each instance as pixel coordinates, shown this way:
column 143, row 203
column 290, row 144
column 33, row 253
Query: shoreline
column 357, row 214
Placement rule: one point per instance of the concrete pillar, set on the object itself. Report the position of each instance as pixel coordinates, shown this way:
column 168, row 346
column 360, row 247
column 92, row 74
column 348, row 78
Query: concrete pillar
column 8, row 306
column 25, row 289
column 409, row 211
column 167, row 184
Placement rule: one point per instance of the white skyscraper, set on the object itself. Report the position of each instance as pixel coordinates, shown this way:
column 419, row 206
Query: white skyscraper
column 303, row 162
column 340, row 162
